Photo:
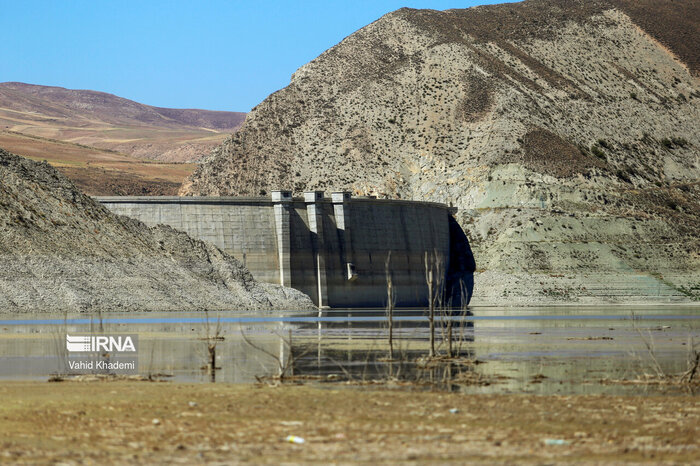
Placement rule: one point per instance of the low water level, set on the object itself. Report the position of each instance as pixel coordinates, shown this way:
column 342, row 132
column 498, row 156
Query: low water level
column 534, row 350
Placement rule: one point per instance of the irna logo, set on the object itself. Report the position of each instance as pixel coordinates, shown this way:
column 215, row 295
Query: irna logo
column 97, row 343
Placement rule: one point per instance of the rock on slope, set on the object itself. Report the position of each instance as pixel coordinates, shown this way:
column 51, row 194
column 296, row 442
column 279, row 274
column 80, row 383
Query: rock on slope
column 566, row 131
column 60, row 250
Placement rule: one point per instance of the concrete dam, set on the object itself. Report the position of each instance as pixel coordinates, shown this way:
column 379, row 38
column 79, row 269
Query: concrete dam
column 340, row 251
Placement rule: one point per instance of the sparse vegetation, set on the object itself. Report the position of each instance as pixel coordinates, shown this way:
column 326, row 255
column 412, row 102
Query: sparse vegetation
column 598, row 153
column 674, row 142
column 623, row 176
column 681, row 142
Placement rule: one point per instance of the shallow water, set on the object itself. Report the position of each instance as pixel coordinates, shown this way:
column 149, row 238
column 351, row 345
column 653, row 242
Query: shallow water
column 531, row 350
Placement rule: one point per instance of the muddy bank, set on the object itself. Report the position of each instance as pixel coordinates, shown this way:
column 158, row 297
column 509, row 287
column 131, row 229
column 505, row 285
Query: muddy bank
column 140, row 422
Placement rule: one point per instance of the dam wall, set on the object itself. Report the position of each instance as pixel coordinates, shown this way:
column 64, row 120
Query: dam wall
column 337, row 250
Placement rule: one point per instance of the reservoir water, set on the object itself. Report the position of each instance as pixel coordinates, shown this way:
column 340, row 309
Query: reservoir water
column 530, row 350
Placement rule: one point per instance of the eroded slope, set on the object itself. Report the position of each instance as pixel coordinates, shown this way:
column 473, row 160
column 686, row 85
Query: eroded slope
column 62, row 251
column 565, row 131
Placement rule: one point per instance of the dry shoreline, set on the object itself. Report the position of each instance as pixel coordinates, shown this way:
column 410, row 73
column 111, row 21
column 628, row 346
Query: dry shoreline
column 137, row 422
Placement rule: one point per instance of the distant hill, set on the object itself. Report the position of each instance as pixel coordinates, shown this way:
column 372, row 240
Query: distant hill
column 109, row 122
column 565, row 131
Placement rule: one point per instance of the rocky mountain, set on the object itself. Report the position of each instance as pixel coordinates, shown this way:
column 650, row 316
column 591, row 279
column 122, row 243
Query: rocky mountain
column 106, row 121
column 62, row 251
column 565, row 131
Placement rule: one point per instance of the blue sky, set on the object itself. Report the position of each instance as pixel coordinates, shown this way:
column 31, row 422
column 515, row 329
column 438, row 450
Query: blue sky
column 218, row 55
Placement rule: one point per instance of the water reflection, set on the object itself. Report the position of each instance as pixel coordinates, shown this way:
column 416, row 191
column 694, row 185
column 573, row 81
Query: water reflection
column 547, row 350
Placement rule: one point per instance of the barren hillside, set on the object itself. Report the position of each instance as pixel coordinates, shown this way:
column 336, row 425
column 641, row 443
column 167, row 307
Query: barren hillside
column 62, row 251
column 100, row 172
column 566, row 131
column 110, row 122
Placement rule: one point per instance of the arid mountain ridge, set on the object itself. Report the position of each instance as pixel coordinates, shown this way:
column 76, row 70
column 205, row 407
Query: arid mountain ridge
column 109, row 122
column 566, row 132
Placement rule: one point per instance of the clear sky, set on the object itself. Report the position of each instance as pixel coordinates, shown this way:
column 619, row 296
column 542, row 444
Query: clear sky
column 217, row 55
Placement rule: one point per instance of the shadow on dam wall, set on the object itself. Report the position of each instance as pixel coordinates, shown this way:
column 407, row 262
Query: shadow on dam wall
column 461, row 267
column 337, row 250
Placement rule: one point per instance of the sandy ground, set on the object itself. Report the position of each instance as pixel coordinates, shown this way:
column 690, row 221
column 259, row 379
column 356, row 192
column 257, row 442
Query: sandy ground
column 141, row 422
